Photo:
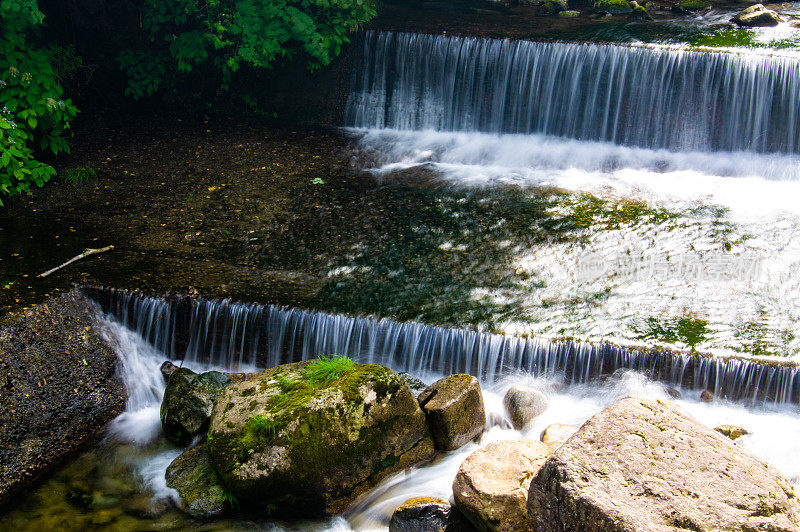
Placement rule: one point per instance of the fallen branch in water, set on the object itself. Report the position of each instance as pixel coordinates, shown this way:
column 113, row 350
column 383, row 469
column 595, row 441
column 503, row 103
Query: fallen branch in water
column 86, row 253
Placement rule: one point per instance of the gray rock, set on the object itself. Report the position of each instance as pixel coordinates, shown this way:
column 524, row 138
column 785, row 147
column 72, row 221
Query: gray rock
column 756, row 15
column 308, row 438
column 647, row 465
column 193, row 476
column 427, row 514
column 524, row 404
column 188, row 401
column 491, row 486
column 454, row 410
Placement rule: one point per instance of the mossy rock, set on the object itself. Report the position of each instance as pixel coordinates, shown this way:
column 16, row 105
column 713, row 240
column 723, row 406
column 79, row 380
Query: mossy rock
column 454, row 410
column 615, row 7
column 569, row 14
column 693, row 6
column 552, row 7
column 193, row 476
column 428, row 514
column 298, row 440
column 188, row 401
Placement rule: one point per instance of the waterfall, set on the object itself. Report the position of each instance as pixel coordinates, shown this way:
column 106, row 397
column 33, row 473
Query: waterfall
column 235, row 335
column 634, row 96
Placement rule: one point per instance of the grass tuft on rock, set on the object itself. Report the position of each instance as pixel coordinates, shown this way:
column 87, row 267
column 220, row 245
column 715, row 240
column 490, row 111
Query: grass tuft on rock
column 327, row 369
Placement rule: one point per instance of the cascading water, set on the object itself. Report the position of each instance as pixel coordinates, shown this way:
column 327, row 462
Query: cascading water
column 634, row 96
column 235, row 335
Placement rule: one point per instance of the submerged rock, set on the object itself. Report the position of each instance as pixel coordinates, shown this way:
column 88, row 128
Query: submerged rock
column 427, row 514
column 188, row 401
column 552, row 7
column 690, row 7
column 613, row 7
column 557, row 434
column 307, row 438
column 454, row 410
column 756, row 15
column 491, row 486
column 647, row 465
column 524, row 404
column 731, row 431
column 193, row 476
column 59, row 386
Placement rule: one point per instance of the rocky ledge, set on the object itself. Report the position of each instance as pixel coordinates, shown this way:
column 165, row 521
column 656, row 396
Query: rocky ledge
column 58, row 387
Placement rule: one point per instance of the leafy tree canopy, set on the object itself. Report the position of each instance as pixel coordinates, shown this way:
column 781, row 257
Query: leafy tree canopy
column 153, row 43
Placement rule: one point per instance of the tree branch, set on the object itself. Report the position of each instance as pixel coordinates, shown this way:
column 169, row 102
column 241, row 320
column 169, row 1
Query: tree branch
column 86, row 253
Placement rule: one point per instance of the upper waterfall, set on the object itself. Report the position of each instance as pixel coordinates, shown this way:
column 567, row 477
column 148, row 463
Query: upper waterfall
column 635, row 96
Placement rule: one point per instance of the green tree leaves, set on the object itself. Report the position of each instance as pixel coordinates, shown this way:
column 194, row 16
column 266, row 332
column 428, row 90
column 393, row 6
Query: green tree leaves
column 33, row 114
column 180, row 35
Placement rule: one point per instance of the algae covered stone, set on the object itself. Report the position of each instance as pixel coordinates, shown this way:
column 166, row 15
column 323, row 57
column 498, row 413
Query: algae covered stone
column 193, row 476
column 454, row 409
column 188, row 401
column 307, row 438
column 615, row 7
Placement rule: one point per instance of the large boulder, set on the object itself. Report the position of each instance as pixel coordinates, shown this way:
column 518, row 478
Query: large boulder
column 193, row 476
column 188, row 401
column 756, row 15
column 524, row 404
column 647, row 465
column 427, row 514
column 491, row 486
column 59, row 386
column 454, row 409
column 307, row 438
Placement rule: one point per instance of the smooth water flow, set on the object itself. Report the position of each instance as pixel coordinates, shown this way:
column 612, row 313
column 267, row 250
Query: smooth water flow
column 634, row 96
column 235, row 335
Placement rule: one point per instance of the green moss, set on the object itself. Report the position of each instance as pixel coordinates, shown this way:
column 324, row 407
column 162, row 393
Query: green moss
column 259, row 431
column 689, row 330
column 588, row 211
column 615, row 7
column 693, row 5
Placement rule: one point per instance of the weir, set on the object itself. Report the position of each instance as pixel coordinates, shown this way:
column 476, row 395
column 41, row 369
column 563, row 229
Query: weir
column 633, row 96
column 233, row 335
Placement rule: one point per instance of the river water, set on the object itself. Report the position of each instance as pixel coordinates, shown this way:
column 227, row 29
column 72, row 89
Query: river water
column 675, row 175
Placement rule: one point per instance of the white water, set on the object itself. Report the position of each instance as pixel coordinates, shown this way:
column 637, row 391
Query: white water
column 775, row 430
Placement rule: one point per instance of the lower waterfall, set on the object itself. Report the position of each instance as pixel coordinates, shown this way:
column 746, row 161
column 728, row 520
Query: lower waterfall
column 231, row 335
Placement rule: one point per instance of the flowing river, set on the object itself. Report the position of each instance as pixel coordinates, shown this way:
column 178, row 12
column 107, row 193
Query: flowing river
column 679, row 169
